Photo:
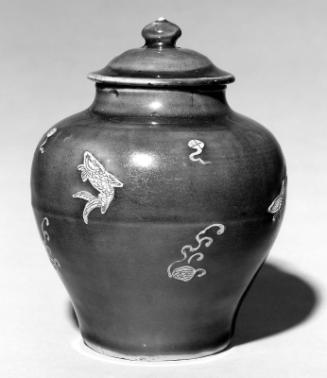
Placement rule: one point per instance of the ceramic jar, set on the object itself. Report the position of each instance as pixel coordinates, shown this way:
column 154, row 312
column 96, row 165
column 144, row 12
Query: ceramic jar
column 158, row 204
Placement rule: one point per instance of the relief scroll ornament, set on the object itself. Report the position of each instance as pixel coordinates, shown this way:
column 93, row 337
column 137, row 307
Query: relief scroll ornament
column 48, row 135
column 187, row 272
column 198, row 146
column 46, row 239
column 278, row 202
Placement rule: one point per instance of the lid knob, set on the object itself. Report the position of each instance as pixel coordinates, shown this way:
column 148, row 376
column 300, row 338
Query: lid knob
column 161, row 33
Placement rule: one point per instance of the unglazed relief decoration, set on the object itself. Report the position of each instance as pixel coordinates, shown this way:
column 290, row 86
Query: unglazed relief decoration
column 187, row 272
column 101, row 180
column 46, row 239
column 198, row 146
column 278, row 202
column 49, row 134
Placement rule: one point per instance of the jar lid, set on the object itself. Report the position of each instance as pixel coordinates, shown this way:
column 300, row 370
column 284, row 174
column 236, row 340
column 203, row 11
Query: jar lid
column 160, row 63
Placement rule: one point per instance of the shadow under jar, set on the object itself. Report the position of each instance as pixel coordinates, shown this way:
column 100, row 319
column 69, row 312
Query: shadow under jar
column 158, row 204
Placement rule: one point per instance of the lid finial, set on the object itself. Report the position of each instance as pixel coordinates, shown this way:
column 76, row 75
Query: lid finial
column 161, row 33
column 159, row 64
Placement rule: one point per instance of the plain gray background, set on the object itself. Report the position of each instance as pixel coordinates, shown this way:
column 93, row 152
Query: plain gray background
column 277, row 51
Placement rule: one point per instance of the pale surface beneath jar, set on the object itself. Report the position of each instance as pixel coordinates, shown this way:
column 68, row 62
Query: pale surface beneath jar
column 271, row 51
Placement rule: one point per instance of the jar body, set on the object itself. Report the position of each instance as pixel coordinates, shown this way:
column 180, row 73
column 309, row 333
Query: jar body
column 159, row 270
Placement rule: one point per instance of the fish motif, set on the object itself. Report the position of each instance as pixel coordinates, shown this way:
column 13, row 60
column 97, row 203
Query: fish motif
column 278, row 202
column 187, row 272
column 198, row 146
column 101, row 180
column 46, row 240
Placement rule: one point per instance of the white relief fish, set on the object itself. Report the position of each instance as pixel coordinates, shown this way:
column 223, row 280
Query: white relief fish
column 187, row 272
column 46, row 240
column 198, row 146
column 101, row 180
column 48, row 135
column 278, row 202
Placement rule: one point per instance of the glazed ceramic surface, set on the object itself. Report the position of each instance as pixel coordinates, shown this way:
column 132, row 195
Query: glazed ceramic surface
column 158, row 204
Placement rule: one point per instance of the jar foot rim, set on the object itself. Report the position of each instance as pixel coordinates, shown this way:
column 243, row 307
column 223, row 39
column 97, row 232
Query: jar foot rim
column 155, row 358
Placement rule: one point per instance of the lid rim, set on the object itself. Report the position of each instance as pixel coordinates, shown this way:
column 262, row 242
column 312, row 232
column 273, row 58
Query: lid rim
column 159, row 63
column 163, row 82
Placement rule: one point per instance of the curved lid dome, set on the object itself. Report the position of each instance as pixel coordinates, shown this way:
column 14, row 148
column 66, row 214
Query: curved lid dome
column 160, row 63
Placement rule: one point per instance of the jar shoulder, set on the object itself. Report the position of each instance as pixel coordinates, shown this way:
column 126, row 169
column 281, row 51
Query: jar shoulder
column 163, row 166
column 230, row 128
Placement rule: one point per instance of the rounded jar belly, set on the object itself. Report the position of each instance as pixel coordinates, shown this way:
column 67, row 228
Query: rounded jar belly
column 157, row 208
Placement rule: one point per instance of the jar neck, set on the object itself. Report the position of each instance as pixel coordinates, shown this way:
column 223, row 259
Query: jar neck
column 155, row 102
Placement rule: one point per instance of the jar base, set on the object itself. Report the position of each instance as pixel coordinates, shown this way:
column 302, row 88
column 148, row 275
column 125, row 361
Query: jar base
column 154, row 358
